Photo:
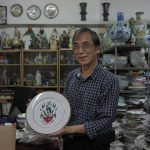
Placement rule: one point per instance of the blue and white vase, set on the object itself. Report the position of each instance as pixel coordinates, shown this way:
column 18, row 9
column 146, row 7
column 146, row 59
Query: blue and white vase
column 120, row 32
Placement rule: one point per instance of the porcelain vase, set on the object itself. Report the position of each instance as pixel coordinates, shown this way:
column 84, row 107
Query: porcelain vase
column 140, row 29
column 120, row 32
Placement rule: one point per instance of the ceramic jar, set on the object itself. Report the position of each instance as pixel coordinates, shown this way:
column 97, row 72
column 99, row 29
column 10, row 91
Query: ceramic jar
column 140, row 29
column 120, row 32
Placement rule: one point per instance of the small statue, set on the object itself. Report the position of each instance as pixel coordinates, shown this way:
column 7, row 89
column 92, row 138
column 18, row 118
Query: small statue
column 42, row 39
column 38, row 78
column 54, row 39
column 31, row 33
column 64, row 40
column 133, row 39
column 53, row 42
column 71, row 32
column 6, row 43
column 27, row 41
column 16, row 41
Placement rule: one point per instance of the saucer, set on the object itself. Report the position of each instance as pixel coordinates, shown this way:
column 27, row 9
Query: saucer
column 48, row 112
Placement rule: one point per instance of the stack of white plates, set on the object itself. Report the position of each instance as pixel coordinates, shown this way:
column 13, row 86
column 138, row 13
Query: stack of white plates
column 138, row 59
column 147, row 129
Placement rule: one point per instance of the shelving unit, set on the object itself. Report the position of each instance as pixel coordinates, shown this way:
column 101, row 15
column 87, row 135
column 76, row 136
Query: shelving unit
column 44, row 60
column 67, row 63
column 10, row 68
column 134, row 93
column 61, row 61
column 125, row 69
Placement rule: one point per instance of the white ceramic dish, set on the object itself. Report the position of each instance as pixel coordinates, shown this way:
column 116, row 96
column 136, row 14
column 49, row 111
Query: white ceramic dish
column 51, row 11
column 48, row 112
column 34, row 12
column 16, row 10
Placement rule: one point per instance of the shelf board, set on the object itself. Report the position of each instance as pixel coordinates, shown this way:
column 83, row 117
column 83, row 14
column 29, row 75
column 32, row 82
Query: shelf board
column 128, row 68
column 10, row 65
column 9, row 86
column 10, row 50
column 40, row 64
column 135, row 91
column 124, row 47
column 69, row 64
column 66, row 49
column 55, row 25
column 42, row 87
column 39, row 50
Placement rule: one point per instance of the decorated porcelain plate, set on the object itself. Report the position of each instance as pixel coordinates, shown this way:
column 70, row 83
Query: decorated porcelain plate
column 51, row 10
column 48, row 112
column 34, row 12
column 16, row 10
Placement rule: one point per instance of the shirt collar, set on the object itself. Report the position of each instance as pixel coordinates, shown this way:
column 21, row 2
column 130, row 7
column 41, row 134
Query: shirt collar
column 93, row 75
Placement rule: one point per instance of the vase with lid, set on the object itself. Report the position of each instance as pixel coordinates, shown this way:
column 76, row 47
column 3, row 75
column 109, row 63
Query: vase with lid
column 140, row 29
column 120, row 32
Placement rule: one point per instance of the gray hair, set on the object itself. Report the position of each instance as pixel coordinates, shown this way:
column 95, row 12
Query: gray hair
column 94, row 35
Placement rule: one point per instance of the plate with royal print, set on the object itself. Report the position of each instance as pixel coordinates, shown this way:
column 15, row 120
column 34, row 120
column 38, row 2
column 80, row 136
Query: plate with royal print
column 48, row 112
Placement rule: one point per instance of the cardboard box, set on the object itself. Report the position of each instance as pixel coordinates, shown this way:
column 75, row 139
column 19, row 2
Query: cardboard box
column 7, row 137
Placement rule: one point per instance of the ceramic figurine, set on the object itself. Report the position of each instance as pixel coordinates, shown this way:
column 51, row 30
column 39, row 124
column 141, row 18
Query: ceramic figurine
column 71, row 32
column 133, row 39
column 43, row 42
column 38, row 78
column 27, row 41
column 64, row 39
column 54, row 39
column 6, row 41
column 31, row 33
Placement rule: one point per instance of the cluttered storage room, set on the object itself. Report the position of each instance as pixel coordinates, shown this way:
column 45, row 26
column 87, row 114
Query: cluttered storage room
column 74, row 75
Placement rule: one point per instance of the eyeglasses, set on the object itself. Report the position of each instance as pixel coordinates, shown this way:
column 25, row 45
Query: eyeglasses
column 84, row 46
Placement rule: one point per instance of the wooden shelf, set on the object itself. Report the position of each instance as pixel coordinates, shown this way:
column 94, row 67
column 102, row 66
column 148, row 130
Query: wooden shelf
column 125, row 47
column 55, row 25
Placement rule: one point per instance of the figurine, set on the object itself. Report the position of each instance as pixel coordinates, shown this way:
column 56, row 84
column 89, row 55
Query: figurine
column 38, row 78
column 64, row 40
column 27, row 41
column 31, row 33
column 54, row 39
column 71, row 32
column 6, row 42
column 16, row 41
column 133, row 39
column 43, row 42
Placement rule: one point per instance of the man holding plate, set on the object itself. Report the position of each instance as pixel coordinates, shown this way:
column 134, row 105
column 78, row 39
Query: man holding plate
column 93, row 94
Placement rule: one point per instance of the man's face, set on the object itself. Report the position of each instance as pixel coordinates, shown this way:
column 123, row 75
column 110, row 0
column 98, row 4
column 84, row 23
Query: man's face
column 84, row 49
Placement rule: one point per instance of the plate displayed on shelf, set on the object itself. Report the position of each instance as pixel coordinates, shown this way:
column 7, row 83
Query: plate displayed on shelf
column 48, row 112
column 16, row 10
column 34, row 12
column 51, row 10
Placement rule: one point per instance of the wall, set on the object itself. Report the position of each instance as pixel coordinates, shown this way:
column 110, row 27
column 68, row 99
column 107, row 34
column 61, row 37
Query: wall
column 69, row 11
